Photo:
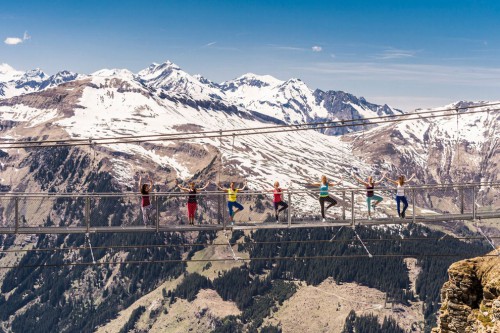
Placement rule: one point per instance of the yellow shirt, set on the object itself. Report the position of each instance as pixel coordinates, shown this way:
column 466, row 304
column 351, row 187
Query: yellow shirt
column 231, row 195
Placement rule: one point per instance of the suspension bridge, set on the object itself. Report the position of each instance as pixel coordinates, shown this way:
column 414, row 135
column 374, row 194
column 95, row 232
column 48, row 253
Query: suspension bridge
column 89, row 213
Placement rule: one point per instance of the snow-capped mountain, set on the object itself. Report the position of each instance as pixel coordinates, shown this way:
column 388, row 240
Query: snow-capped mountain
column 170, row 78
column 289, row 101
column 7, row 73
column 15, row 83
column 59, row 78
column 293, row 102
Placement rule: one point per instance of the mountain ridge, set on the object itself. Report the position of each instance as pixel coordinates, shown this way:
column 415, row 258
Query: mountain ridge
column 290, row 101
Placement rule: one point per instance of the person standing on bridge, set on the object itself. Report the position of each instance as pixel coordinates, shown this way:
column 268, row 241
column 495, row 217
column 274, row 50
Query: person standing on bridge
column 146, row 207
column 231, row 199
column 400, row 194
column 370, row 194
column 324, row 195
column 278, row 200
column 192, row 202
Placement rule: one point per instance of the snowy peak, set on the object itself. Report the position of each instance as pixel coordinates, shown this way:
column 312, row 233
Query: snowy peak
column 155, row 71
column 15, row 83
column 8, row 73
column 294, row 88
column 115, row 72
column 172, row 79
column 289, row 101
column 31, row 80
column 251, row 80
column 348, row 106
column 60, row 78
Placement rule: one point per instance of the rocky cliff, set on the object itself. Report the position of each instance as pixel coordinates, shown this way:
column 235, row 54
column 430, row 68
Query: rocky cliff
column 471, row 297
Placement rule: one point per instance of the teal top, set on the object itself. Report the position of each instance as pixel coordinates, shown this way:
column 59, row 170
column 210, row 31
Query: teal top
column 323, row 190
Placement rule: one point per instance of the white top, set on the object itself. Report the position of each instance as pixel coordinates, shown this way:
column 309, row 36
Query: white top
column 400, row 191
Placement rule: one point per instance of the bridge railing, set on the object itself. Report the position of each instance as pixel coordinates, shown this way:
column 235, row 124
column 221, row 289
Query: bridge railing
column 86, row 211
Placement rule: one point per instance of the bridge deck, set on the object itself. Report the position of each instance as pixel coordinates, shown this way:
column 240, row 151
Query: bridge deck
column 247, row 226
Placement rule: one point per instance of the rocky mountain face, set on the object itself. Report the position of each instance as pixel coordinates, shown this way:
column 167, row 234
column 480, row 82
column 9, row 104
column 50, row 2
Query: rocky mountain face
column 471, row 297
column 439, row 151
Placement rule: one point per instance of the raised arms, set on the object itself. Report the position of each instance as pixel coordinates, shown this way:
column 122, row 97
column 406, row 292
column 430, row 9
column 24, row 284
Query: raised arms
column 395, row 182
column 187, row 189
column 220, row 187
column 380, row 180
column 337, row 183
column 360, row 180
column 244, row 186
column 150, row 183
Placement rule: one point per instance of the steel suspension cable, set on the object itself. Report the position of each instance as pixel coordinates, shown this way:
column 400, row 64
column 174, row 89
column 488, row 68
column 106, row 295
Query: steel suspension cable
column 252, row 243
column 232, row 133
column 266, row 127
column 295, row 258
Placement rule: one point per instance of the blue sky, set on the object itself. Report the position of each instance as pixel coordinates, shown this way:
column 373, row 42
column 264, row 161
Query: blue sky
column 405, row 53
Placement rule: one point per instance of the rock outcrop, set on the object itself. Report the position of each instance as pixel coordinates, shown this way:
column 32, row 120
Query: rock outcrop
column 471, row 297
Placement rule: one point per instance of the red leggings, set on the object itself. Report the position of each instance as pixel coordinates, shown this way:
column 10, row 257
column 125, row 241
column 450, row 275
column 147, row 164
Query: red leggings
column 191, row 209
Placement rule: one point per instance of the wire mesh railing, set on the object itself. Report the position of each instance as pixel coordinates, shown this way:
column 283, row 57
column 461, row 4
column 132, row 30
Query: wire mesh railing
column 110, row 212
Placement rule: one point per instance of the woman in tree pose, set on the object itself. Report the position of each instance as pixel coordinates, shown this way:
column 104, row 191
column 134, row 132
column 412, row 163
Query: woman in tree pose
column 324, row 196
column 192, row 202
column 147, row 210
column 400, row 194
column 278, row 200
column 231, row 199
column 370, row 195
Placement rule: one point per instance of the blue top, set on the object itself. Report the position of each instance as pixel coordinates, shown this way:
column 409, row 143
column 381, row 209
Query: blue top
column 323, row 190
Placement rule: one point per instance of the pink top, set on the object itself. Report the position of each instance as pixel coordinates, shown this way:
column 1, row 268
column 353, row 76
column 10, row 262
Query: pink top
column 277, row 195
column 145, row 201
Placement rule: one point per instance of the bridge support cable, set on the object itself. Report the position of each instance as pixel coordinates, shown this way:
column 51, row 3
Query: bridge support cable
column 290, row 207
column 236, row 258
column 16, row 214
column 87, row 238
column 413, row 204
column 452, row 228
column 335, row 236
column 487, row 239
column 361, row 241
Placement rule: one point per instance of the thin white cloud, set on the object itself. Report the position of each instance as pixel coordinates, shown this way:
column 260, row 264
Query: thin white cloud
column 17, row 40
column 287, row 48
column 396, row 54
column 317, row 48
column 210, row 44
column 422, row 73
column 466, row 40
